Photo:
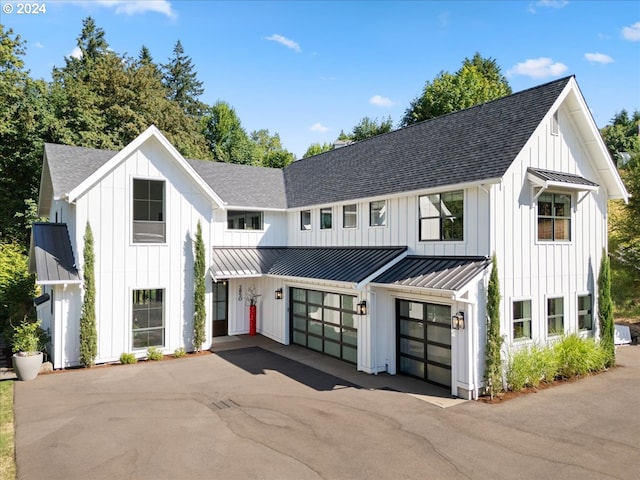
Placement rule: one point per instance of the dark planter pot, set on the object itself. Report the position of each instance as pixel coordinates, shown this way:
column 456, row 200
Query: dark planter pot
column 27, row 367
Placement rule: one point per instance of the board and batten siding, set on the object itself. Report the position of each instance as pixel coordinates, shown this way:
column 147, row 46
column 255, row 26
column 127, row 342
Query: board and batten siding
column 538, row 270
column 123, row 266
column 402, row 227
column 273, row 234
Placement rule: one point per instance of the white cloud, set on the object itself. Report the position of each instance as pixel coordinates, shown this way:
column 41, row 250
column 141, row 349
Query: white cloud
column 380, row 101
column 598, row 58
column 318, row 127
column 548, row 4
column 538, row 68
column 284, row 41
column 76, row 53
column 132, row 7
column 38, row 45
column 632, row 33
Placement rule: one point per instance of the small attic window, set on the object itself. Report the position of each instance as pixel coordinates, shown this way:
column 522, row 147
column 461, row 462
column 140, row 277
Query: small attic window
column 555, row 129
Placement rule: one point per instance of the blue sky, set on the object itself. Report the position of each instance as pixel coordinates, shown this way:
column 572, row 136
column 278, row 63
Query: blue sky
column 308, row 69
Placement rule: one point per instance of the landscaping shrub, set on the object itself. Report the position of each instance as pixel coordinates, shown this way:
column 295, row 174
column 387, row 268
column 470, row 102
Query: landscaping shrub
column 578, row 356
column 127, row 358
column 571, row 356
column 179, row 352
column 154, row 353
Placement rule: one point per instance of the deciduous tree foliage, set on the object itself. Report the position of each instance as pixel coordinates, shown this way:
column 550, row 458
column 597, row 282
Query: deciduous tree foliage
column 17, row 287
column 370, row 127
column 316, row 149
column 88, row 330
column 479, row 80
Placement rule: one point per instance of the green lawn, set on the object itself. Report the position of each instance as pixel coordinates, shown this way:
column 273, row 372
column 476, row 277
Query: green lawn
column 7, row 436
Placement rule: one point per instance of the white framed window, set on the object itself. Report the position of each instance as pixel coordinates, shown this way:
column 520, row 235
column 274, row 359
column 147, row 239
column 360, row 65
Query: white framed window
column 585, row 312
column 305, row 220
column 554, row 217
column 147, row 318
column 326, row 218
column 442, row 216
column 148, row 224
column 350, row 216
column 555, row 316
column 378, row 213
column 521, row 314
column 244, row 220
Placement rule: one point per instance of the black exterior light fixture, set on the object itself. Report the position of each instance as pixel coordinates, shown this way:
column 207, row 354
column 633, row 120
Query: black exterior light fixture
column 361, row 308
column 279, row 294
column 457, row 321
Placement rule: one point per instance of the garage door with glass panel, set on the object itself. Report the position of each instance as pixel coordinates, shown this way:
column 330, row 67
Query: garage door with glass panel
column 325, row 322
column 424, row 341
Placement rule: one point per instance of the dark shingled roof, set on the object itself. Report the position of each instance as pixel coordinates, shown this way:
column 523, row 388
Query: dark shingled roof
column 243, row 185
column 342, row 264
column 70, row 166
column 438, row 273
column 51, row 256
column 475, row 144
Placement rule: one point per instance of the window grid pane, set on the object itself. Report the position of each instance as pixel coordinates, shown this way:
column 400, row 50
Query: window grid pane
column 326, row 218
column 377, row 213
column 554, row 217
column 555, row 316
column 147, row 315
column 522, row 319
column 585, row 317
column 349, row 216
column 442, row 216
column 148, row 225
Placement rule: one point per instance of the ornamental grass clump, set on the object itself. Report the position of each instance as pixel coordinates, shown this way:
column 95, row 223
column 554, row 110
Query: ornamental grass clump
column 128, row 358
column 578, row 356
column 154, row 353
column 529, row 366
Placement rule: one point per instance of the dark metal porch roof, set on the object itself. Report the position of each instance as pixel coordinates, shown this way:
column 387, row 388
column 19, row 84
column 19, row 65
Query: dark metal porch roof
column 569, row 179
column 438, row 273
column 343, row 264
column 51, row 256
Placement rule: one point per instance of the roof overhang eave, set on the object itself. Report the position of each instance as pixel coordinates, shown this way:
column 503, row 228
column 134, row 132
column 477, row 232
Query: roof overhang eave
column 58, row 282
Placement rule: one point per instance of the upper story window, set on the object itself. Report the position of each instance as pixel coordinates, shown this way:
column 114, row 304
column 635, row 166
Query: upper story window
column 554, row 217
column 350, row 216
column 305, row 220
column 148, row 211
column 326, row 218
column 555, row 316
column 442, row 216
column 243, row 220
column 378, row 213
column 585, row 316
column 521, row 319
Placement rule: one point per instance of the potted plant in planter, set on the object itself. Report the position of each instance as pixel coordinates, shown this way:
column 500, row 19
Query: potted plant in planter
column 27, row 343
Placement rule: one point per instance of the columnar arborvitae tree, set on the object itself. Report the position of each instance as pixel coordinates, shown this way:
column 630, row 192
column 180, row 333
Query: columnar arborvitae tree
column 198, row 294
column 493, row 359
column 605, row 310
column 88, row 332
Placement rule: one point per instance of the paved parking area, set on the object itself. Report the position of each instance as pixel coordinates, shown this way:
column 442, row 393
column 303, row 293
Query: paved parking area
column 256, row 409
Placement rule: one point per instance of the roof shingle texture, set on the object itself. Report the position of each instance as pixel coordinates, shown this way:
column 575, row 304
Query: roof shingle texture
column 475, row 144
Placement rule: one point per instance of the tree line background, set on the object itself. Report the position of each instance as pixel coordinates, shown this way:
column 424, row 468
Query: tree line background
column 103, row 99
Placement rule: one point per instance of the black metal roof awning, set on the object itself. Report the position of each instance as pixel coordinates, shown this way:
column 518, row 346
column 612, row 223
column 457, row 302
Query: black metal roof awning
column 51, row 256
column 436, row 273
column 548, row 178
column 343, row 264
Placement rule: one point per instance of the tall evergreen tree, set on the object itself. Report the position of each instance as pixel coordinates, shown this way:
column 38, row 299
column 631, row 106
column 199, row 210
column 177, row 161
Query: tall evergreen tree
column 181, row 82
column 605, row 310
column 493, row 357
column 88, row 331
column 199, row 272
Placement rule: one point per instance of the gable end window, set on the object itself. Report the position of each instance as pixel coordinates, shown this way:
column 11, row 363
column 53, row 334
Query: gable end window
column 148, row 211
column 378, row 213
column 585, row 315
column 554, row 217
column 148, row 318
column 350, row 216
column 442, row 216
column 522, row 319
column 305, row 220
column 243, row 220
column 555, row 316
column 326, row 218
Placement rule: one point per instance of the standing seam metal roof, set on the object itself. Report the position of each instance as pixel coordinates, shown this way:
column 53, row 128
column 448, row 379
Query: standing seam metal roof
column 52, row 257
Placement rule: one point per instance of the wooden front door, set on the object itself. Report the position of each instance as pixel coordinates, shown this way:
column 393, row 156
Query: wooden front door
column 220, row 326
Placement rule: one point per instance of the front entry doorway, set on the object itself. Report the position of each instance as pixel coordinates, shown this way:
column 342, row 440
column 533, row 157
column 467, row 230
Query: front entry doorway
column 424, row 341
column 220, row 325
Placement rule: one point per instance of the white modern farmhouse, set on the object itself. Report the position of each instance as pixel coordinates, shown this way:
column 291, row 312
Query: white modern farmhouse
column 377, row 253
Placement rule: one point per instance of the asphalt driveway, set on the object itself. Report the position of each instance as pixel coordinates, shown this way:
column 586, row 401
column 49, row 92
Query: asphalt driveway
column 260, row 412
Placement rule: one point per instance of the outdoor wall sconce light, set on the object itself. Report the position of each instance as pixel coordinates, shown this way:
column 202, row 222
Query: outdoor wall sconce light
column 279, row 294
column 457, row 321
column 361, row 308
